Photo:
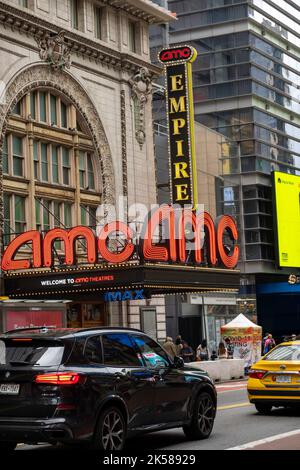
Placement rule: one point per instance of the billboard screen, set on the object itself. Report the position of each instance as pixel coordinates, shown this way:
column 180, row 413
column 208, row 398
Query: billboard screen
column 287, row 218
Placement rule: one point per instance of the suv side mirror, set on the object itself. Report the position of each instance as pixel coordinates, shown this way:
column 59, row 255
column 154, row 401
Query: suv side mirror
column 178, row 362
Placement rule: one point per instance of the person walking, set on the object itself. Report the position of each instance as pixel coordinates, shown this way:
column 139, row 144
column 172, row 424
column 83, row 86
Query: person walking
column 179, row 345
column 202, row 351
column 269, row 344
column 222, row 351
column 229, row 347
column 170, row 347
column 187, row 353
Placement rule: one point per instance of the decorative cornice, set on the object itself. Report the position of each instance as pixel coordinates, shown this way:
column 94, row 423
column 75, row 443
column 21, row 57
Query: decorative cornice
column 40, row 29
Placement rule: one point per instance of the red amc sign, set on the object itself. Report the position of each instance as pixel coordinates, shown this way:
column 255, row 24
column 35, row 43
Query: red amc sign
column 175, row 54
column 207, row 236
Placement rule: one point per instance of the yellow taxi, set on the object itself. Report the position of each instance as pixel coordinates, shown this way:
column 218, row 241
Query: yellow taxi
column 275, row 379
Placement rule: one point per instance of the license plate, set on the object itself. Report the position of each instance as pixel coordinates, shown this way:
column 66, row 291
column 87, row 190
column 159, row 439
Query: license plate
column 9, row 389
column 283, row 379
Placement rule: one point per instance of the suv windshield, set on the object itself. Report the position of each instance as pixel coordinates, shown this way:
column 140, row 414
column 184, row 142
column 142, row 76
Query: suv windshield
column 284, row 353
column 33, row 353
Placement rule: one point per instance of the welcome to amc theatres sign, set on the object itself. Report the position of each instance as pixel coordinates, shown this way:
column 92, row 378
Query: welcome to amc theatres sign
column 177, row 62
column 169, row 235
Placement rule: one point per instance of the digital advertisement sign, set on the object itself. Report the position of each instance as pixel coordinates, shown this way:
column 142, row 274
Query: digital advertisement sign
column 287, row 218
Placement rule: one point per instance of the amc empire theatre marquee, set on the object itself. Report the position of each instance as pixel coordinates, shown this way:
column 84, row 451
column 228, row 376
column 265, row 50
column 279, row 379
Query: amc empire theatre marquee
column 135, row 271
column 193, row 253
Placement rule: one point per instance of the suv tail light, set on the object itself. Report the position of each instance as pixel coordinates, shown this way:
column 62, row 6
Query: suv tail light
column 257, row 374
column 60, row 378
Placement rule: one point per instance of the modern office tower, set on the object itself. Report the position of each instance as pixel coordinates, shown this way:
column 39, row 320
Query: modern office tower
column 247, row 86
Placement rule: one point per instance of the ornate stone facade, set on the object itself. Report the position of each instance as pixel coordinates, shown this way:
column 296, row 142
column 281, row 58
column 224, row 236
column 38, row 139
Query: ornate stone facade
column 42, row 51
column 141, row 89
column 55, row 51
column 45, row 76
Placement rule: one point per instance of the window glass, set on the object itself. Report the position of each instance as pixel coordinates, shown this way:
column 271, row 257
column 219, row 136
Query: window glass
column 152, row 353
column 56, row 213
column 36, row 160
column 284, row 353
column 55, row 171
column 119, row 350
column 20, row 220
column 43, row 112
column 66, row 165
column 67, row 215
column 63, row 112
column 18, row 109
column 46, row 215
column 33, row 104
column 53, row 110
column 132, row 36
column 82, row 169
column 35, row 353
column 98, row 22
column 17, row 156
column 7, row 218
column 93, row 350
column 91, row 181
column 74, row 13
column 38, row 214
column 44, row 162
column 5, row 155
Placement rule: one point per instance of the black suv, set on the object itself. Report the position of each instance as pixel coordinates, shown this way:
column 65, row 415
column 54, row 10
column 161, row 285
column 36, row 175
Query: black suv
column 96, row 386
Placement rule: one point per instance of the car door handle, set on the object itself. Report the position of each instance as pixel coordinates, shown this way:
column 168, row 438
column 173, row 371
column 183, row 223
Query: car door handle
column 158, row 378
column 120, row 375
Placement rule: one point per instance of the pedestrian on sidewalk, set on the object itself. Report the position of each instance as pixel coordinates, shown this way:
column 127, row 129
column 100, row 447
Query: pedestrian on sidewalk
column 187, row 353
column 222, row 351
column 170, row 347
column 269, row 344
column 179, row 345
column 202, row 351
column 229, row 347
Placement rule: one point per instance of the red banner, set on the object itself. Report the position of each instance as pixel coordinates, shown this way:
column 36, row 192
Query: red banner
column 24, row 319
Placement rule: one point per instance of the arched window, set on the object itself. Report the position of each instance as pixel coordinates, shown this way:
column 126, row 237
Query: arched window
column 50, row 173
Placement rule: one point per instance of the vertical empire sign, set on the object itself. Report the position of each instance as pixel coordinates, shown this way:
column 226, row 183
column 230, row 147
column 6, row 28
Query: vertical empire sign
column 180, row 111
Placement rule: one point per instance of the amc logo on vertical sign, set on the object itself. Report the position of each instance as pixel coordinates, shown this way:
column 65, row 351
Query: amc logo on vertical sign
column 184, row 53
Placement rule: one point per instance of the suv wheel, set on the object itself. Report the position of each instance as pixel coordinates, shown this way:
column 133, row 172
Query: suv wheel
column 6, row 447
column 111, row 430
column 263, row 408
column 203, row 418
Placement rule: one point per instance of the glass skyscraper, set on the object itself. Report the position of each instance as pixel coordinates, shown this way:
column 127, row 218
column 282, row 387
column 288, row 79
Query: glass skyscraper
column 247, row 86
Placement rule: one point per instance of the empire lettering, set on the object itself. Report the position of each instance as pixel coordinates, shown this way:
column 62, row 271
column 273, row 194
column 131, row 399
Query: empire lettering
column 180, row 116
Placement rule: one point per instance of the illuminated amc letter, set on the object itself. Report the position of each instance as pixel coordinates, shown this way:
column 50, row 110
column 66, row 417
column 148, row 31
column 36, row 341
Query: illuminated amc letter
column 150, row 251
column 69, row 238
column 8, row 261
column 105, row 252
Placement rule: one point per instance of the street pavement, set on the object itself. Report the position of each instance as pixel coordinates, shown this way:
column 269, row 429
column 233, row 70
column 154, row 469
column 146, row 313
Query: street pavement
column 238, row 426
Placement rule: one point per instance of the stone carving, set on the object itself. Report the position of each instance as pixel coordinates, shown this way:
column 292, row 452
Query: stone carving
column 141, row 88
column 41, row 76
column 55, row 51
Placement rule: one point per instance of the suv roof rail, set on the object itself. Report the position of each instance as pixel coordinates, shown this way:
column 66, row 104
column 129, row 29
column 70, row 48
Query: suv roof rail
column 92, row 328
column 16, row 330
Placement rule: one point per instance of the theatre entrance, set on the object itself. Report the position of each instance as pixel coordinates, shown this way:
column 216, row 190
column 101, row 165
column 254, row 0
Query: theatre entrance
column 87, row 314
